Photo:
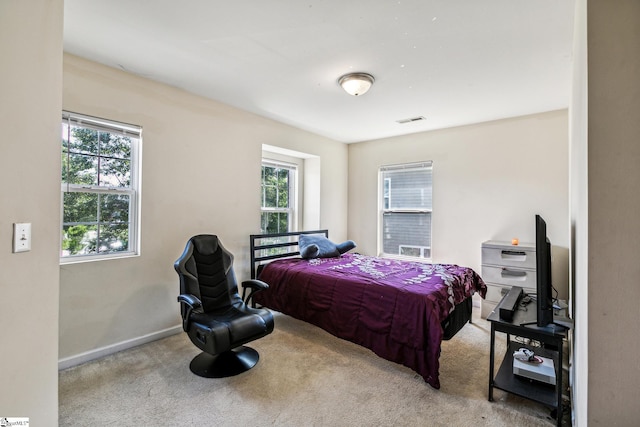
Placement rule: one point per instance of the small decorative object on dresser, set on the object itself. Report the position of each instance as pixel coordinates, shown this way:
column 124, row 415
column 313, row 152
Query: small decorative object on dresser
column 505, row 265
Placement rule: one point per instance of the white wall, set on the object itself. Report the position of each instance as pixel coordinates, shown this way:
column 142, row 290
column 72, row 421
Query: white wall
column 30, row 102
column 489, row 179
column 200, row 174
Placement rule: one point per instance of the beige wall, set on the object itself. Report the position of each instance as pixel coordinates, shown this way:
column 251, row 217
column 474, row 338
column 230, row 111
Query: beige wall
column 30, row 101
column 613, row 201
column 490, row 180
column 200, row 174
column 31, row 88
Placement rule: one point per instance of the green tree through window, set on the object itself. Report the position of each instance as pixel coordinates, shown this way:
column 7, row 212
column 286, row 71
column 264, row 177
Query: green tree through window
column 277, row 198
column 98, row 186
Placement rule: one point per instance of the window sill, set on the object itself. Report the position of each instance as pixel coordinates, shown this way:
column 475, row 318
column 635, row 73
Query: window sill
column 93, row 258
column 406, row 258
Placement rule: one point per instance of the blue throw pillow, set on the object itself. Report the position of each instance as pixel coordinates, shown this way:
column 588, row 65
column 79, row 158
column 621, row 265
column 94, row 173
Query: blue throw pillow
column 318, row 246
column 345, row 246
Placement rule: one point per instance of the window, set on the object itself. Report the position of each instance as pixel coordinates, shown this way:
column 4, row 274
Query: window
column 406, row 209
column 278, row 197
column 100, row 186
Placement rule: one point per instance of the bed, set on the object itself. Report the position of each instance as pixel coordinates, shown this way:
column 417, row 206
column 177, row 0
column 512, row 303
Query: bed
column 398, row 309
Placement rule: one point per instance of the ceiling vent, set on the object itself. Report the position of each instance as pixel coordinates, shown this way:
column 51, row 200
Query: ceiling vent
column 410, row 120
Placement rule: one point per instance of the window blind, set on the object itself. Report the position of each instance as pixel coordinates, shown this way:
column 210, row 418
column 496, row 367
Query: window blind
column 407, row 199
column 95, row 123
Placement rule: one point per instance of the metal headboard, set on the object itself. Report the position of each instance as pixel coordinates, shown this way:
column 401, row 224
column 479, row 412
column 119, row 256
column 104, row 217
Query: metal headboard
column 266, row 243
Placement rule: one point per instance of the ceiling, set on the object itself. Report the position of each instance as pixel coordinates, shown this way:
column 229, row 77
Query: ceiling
column 453, row 62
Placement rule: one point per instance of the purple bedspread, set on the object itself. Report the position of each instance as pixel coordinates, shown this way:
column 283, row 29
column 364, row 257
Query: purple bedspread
column 395, row 308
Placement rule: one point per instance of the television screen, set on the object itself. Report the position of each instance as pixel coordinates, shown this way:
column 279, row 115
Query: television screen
column 544, row 287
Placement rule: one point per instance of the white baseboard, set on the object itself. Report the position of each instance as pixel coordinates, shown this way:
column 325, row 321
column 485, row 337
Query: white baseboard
column 88, row 356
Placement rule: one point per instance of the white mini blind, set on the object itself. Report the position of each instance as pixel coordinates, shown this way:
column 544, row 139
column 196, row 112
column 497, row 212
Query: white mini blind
column 96, row 123
column 407, row 205
column 278, row 164
column 408, row 187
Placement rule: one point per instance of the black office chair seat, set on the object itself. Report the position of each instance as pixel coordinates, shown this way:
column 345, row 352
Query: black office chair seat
column 214, row 316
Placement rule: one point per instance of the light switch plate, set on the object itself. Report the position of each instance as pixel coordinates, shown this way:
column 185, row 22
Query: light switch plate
column 21, row 237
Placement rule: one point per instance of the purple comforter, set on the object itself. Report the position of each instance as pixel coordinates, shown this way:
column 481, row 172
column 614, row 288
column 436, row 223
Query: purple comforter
column 395, row 308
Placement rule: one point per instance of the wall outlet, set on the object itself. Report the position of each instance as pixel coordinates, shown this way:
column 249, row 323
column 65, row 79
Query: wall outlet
column 21, row 237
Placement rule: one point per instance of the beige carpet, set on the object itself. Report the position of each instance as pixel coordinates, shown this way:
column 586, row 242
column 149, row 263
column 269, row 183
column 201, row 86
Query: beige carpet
column 305, row 377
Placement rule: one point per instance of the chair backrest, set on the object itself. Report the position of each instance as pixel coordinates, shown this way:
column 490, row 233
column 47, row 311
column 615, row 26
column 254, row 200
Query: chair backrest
column 205, row 269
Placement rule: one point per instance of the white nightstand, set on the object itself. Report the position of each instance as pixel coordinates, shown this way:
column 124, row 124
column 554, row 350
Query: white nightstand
column 505, row 265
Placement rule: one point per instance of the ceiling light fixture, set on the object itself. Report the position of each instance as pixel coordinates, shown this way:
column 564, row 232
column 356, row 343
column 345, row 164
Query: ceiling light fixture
column 356, row 84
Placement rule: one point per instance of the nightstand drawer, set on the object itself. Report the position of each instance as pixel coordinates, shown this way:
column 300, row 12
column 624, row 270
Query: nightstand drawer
column 509, row 276
column 511, row 256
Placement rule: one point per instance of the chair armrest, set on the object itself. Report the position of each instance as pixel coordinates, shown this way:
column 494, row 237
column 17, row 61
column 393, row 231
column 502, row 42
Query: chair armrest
column 191, row 300
column 254, row 285
column 193, row 303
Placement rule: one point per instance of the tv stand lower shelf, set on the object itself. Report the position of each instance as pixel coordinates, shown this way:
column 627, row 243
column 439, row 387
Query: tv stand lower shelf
column 523, row 387
column 551, row 339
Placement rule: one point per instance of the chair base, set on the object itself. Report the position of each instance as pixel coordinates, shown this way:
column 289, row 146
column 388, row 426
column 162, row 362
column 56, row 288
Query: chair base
column 227, row 364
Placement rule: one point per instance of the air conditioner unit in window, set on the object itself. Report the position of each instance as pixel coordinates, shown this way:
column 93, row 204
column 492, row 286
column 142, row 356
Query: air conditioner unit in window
column 414, row 251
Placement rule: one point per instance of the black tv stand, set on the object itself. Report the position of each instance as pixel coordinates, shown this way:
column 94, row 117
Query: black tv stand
column 550, row 337
column 552, row 325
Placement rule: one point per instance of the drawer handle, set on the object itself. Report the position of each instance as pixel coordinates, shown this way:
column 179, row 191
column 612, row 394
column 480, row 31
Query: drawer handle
column 514, row 255
column 513, row 274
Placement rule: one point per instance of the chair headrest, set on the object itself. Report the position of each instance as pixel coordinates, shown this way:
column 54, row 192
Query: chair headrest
column 205, row 244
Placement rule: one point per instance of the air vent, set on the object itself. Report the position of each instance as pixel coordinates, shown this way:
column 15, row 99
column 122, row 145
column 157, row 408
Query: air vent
column 410, row 120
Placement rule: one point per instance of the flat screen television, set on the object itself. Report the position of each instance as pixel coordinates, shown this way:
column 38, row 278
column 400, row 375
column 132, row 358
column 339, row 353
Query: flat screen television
column 544, row 288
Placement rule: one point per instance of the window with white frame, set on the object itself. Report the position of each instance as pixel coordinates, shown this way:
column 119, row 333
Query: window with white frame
column 406, row 209
column 278, row 213
column 100, row 188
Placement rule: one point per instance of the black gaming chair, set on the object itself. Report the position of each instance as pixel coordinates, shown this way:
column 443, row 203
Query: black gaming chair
column 214, row 316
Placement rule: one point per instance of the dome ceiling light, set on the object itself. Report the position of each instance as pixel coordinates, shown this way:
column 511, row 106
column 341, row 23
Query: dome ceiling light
column 356, row 84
